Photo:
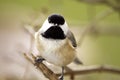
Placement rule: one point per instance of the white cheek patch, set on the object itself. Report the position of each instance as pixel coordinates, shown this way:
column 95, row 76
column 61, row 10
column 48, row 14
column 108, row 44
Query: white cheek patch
column 65, row 28
column 46, row 25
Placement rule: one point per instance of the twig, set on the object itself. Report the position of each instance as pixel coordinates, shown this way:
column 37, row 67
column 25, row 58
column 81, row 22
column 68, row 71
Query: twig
column 109, row 31
column 45, row 70
column 69, row 70
column 87, row 70
column 91, row 26
column 94, row 69
column 114, row 4
column 29, row 30
column 93, row 1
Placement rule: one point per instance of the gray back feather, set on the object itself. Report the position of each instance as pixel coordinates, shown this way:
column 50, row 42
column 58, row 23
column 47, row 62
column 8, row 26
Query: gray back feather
column 71, row 38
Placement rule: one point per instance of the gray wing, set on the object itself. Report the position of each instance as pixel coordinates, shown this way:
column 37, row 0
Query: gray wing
column 77, row 61
column 71, row 38
column 73, row 41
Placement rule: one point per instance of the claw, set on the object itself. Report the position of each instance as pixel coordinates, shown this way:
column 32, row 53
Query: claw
column 61, row 77
column 38, row 60
column 62, row 74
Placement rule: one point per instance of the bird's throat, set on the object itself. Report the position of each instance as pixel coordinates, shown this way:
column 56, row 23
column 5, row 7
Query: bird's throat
column 54, row 32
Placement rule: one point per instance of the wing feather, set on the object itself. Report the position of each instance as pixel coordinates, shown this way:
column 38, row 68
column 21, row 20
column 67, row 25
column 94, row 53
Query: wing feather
column 71, row 37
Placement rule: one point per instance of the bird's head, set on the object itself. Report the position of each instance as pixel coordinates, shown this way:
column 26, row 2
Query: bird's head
column 54, row 27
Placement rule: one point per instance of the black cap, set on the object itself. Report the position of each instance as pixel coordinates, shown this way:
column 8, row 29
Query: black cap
column 56, row 19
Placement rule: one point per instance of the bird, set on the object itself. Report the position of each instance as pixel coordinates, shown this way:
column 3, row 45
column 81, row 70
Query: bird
column 56, row 43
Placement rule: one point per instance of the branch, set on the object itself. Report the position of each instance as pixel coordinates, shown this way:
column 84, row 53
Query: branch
column 85, row 70
column 114, row 4
column 92, row 1
column 92, row 25
column 46, row 71
column 94, row 69
column 102, row 30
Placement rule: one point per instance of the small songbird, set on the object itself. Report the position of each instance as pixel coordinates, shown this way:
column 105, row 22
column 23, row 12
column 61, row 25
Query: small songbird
column 55, row 42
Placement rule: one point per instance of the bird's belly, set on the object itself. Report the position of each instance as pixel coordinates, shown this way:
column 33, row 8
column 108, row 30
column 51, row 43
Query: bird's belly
column 57, row 52
column 58, row 58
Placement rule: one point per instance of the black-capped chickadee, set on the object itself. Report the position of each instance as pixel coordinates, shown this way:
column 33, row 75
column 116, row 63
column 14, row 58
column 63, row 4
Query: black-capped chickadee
column 55, row 42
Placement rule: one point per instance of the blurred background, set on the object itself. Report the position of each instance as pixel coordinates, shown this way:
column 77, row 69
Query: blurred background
column 95, row 24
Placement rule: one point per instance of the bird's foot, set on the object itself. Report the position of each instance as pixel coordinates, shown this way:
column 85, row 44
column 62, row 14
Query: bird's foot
column 38, row 60
column 62, row 74
column 61, row 77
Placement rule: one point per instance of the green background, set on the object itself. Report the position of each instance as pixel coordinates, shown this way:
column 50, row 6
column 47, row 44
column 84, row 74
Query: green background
column 95, row 49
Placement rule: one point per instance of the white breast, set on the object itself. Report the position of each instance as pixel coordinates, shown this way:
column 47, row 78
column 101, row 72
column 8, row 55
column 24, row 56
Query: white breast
column 53, row 52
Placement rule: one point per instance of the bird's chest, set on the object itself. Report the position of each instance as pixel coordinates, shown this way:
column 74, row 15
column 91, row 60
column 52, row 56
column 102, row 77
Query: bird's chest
column 51, row 50
column 50, row 45
column 56, row 51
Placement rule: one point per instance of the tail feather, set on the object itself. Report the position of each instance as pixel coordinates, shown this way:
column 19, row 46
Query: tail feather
column 77, row 61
